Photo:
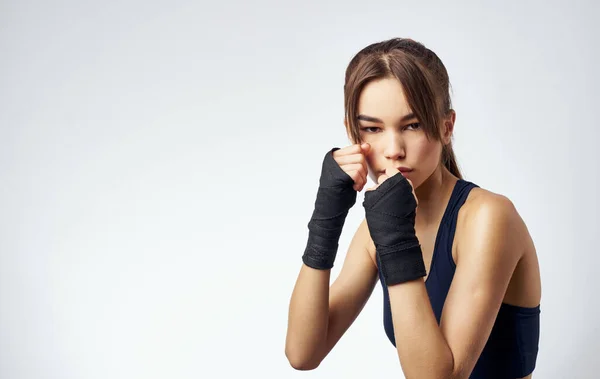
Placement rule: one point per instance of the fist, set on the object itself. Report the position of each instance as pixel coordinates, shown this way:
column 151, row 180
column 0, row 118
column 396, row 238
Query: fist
column 389, row 172
column 352, row 160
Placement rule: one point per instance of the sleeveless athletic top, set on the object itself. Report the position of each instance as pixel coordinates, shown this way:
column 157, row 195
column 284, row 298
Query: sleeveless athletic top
column 511, row 350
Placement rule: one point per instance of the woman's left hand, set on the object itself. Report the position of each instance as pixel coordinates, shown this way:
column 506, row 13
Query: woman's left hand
column 390, row 210
column 389, row 172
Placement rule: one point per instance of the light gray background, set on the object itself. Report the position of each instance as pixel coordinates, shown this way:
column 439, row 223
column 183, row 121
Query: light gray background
column 159, row 163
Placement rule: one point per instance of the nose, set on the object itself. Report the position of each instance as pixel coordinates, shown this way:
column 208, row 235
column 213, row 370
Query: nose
column 394, row 146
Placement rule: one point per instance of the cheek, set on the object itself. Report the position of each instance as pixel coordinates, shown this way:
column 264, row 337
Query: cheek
column 427, row 152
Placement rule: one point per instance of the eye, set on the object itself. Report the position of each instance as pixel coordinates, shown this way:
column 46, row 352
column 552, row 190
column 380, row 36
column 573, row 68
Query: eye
column 367, row 128
column 414, row 126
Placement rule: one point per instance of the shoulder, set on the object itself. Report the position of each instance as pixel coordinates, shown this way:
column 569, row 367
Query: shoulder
column 483, row 205
column 486, row 219
column 482, row 201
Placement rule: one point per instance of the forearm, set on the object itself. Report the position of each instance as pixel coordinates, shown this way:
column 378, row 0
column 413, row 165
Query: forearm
column 422, row 348
column 309, row 306
column 308, row 318
column 390, row 212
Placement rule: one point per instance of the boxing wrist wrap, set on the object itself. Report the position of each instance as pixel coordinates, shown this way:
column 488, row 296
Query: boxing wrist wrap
column 390, row 212
column 335, row 197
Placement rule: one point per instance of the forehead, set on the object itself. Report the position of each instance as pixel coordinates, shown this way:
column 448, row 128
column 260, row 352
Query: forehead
column 383, row 98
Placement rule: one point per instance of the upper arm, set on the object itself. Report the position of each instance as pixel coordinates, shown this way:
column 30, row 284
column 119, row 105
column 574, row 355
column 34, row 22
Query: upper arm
column 488, row 254
column 352, row 288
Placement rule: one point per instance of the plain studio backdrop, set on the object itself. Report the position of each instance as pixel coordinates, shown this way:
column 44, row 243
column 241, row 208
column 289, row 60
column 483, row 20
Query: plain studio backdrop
column 159, row 163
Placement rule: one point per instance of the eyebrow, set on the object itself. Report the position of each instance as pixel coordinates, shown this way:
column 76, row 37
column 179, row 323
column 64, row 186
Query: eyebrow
column 363, row 117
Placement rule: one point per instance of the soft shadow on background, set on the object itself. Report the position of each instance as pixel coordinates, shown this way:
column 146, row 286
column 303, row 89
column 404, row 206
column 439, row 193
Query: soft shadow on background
column 159, row 163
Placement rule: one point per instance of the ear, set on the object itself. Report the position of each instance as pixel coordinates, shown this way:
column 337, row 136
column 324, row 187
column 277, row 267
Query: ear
column 448, row 128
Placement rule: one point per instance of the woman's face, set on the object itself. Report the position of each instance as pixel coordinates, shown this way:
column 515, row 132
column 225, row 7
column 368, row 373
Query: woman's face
column 395, row 135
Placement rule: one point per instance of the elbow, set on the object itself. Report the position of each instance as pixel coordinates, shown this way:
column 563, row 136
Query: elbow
column 300, row 366
column 447, row 369
column 300, row 362
column 440, row 366
column 453, row 372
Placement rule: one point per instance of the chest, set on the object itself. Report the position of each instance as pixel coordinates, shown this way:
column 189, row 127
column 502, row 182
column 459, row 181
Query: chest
column 428, row 234
column 428, row 238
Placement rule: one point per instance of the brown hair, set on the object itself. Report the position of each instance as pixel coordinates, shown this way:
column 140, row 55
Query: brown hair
column 424, row 80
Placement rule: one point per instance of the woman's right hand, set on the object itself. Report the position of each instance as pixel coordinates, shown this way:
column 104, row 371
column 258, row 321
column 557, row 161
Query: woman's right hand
column 352, row 160
column 343, row 173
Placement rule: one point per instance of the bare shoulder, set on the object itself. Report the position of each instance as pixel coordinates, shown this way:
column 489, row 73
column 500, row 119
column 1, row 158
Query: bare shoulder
column 490, row 215
column 483, row 200
column 485, row 206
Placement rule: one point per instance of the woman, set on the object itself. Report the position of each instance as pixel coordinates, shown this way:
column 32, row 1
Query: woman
column 457, row 265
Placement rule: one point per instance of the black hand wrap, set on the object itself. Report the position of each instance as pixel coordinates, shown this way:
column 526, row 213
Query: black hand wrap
column 390, row 212
column 335, row 197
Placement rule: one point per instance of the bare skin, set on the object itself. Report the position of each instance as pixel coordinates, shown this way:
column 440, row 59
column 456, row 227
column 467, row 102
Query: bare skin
column 524, row 288
column 320, row 314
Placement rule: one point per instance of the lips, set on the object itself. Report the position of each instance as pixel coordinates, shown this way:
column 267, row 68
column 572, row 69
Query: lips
column 401, row 169
column 404, row 171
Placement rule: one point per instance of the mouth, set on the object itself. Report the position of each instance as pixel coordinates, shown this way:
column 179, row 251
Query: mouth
column 403, row 170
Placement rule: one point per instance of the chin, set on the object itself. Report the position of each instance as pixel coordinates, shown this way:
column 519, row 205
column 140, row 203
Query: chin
column 415, row 181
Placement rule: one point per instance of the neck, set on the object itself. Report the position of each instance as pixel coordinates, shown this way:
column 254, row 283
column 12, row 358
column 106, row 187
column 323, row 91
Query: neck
column 433, row 196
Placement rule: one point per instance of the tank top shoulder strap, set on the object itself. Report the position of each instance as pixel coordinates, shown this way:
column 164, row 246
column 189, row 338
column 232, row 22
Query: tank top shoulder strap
column 442, row 264
column 459, row 196
column 449, row 220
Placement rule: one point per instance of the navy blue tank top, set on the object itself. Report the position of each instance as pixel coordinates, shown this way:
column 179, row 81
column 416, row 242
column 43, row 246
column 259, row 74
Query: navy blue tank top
column 511, row 350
